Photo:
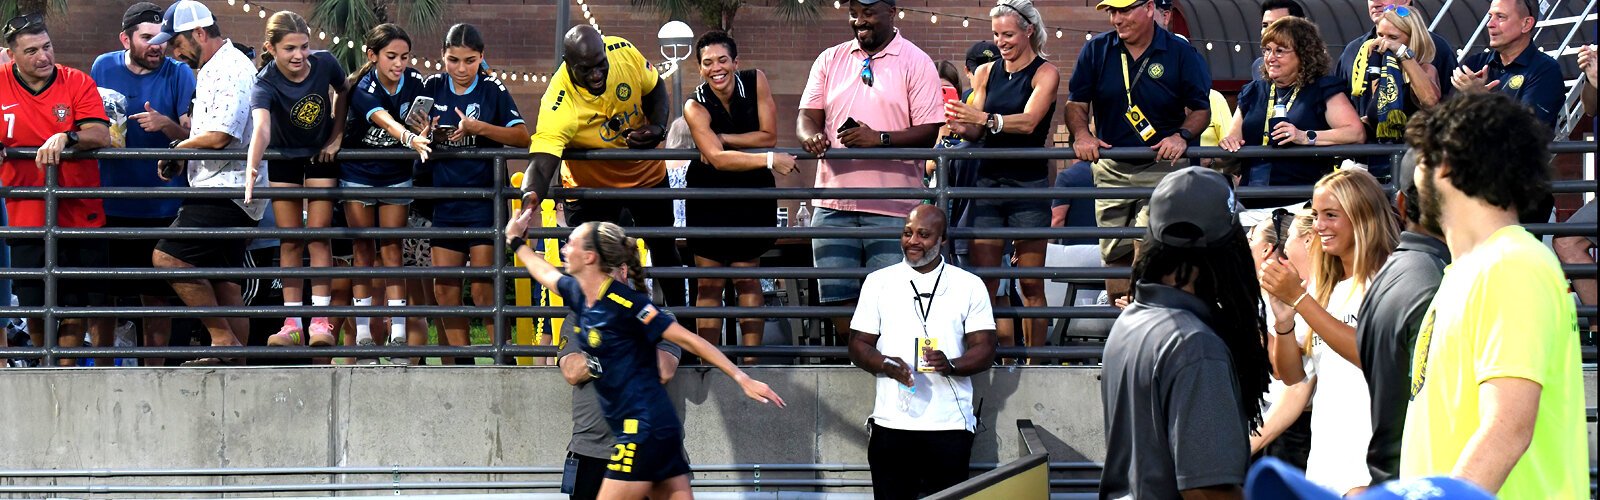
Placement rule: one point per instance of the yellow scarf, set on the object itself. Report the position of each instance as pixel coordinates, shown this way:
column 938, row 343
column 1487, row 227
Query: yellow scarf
column 1358, row 73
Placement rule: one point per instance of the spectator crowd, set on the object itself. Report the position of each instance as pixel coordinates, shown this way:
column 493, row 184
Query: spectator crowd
column 1399, row 325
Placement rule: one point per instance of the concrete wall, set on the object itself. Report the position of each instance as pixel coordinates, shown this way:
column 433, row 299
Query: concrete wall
column 441, row 416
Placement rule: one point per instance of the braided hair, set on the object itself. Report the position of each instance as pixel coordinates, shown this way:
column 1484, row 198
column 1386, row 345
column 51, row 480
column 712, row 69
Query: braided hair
column 1223, row 277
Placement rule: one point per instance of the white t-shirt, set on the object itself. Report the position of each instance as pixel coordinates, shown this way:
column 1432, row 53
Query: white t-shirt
column 222, row 104
column 1341, row 426
column 888, row 308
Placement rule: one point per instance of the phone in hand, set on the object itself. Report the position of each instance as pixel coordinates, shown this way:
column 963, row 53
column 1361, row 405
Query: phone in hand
column 849, row 123
column 417, row 117
column 441, row 135
column 951, row 94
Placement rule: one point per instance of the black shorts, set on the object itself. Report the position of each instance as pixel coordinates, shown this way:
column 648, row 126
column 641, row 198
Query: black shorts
column 652, row 457
column 135, row 254
column 587, row 473
column 462, row 246
column 29, row 254
column 298, row 170
column 215, row 252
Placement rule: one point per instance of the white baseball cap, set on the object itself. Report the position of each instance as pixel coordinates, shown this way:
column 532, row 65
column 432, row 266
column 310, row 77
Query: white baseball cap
column 185, row 15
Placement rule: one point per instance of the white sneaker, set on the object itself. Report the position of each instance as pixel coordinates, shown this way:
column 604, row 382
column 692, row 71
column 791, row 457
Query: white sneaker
column 366, row 342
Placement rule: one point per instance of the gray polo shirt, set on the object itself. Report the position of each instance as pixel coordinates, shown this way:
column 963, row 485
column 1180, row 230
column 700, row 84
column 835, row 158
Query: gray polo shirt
column 1391, row 315
column 591, row 437
column 1172, row 409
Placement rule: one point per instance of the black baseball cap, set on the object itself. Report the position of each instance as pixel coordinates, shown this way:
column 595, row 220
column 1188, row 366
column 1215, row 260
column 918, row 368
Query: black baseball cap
column 981, row 53
column 1193, row 208
column 1163, row 4
column 140, row 13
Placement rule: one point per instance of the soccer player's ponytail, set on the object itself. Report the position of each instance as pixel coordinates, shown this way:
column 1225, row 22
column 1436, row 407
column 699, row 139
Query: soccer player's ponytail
column 617, row 252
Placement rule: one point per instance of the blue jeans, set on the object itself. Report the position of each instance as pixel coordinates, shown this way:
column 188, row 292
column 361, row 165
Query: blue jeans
column 873, row 254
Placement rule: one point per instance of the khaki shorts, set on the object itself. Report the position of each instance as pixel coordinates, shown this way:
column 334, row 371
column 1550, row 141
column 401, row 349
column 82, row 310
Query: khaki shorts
column 1125, row 212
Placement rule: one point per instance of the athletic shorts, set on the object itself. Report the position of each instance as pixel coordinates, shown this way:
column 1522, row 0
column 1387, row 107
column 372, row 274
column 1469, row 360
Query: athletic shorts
column 1010, row 213
column 135, row 254
column 652, row 457
column 460, row 245
column 29, row 254
column 298, row 170
column 209, row 252
column 374, row 201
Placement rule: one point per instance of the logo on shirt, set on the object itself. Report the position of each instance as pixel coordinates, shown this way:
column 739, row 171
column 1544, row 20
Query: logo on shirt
column 61, row 113
column 1419, row 358
column 647, row 313
column 1516, row 82
column 560, row 96
column 624, row 92
column 594, row 338
column 472, row 110
column 308, row 112
column 1156, row 70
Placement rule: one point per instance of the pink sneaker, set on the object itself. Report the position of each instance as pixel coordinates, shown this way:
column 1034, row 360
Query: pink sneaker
column 288, row 336
column 321, row 333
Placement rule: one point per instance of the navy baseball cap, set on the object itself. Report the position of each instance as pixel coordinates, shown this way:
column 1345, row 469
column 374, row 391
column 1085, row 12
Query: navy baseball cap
column 185, row 15
column 981, row 53
column 1271, row 478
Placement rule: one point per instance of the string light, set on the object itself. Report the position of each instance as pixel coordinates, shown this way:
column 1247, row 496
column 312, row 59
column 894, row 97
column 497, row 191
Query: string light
column 1061, row 32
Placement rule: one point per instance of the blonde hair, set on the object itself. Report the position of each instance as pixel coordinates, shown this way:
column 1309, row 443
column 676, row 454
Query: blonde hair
column 1421, row 42
column 281, row 24
column 1027, row 17
column 1372, row 220
column 616, row 251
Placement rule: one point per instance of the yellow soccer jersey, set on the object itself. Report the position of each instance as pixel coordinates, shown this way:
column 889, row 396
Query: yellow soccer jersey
column 572, row 118
column 1501, row 311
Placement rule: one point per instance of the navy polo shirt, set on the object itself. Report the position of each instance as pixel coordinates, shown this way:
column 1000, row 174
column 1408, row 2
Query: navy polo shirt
column 1444, row 62
column 1533, row 78
column 1175, row 77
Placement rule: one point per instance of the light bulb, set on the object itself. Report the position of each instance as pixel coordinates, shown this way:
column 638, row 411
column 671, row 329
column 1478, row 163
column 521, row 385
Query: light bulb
column 1238, row 48
column 835, row 4
column 261, row 13
column 965, row 23
column 1208, row 45
column 902, row 13
column 335, row 40
column 247, row 7
column 322, row 35
column 934, row 19
column 1088, row 36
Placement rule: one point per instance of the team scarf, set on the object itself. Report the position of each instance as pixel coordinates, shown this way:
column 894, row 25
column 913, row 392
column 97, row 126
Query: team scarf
column 1386, row 111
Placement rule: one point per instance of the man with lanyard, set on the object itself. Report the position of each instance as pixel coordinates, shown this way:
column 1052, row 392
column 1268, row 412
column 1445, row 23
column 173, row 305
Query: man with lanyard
column 147, row 96
column 923, row 418
column 606, row 95
column 1145, row 88
column 1512, row 65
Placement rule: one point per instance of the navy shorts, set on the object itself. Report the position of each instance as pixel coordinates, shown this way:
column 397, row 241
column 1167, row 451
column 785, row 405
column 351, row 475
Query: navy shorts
column 296, row 171
column 650, row 457
column 1010, row 213
column 463, row 246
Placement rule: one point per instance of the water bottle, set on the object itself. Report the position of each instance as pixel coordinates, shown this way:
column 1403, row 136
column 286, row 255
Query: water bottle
column 802, row 217
column 783, row 216
column 1280, row 114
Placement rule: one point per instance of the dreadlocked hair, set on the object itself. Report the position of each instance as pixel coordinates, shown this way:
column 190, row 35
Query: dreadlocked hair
column 1224, row 278
column 617, row 252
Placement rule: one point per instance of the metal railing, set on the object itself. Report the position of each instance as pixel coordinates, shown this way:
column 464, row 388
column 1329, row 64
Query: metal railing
column 500, row 350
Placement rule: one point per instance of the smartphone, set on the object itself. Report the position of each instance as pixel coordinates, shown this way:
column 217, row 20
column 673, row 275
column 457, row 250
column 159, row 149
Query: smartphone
column 441, row 135
column 417, row 116
column 849, row 123
column 950, row 94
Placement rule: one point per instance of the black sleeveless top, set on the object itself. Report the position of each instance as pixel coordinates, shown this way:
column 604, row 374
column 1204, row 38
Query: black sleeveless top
column 744, row 116
column 1007, row 94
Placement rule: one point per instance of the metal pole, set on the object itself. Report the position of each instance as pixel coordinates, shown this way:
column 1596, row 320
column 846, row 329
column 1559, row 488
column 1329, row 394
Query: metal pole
column 563, row 14
column 499, row 332
column 52, row 176
column 677, row 94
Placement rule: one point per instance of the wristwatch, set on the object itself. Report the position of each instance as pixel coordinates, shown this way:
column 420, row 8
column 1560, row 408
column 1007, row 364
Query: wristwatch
column 72, row 138
column 1311, row 137
column 1403, row 53
column 1185, row 134
column 883, row 139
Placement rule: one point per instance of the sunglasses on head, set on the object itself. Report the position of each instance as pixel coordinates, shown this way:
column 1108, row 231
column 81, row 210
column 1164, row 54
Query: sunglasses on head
column 22, row 23
column 866, row 71
column 1399, row 10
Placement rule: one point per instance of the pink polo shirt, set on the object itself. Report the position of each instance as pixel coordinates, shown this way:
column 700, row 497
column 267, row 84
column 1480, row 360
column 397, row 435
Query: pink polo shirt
column 905, row 93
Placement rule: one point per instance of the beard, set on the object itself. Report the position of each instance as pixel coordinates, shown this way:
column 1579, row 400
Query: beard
column 927, row 257
column 146, row 63
column 1431, row 203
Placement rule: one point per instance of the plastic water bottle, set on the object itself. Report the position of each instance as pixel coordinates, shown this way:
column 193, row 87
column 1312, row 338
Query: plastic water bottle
column 1280, row 114
column 802, row 217
column 783, row 216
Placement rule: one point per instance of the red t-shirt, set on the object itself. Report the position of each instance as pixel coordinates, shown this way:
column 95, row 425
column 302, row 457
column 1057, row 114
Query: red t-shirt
column 69, row 100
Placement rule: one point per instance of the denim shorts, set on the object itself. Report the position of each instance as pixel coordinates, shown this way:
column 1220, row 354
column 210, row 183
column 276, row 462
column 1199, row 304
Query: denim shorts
column 1010, row 213
column 872, row 254
column 369, row 201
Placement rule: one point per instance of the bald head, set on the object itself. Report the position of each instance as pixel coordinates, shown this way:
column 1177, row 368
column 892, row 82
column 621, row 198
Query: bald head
column 585, row 58
column 930, row 217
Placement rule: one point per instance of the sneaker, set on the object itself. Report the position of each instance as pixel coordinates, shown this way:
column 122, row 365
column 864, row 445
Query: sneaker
column 321, row 333
column 366, row 343
column 288, row 336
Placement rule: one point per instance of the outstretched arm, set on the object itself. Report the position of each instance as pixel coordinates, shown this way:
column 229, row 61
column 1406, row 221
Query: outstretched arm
column 691, row 342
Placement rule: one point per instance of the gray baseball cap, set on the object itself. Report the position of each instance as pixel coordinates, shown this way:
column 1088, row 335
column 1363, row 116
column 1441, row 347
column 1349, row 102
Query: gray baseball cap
column 1193, row 208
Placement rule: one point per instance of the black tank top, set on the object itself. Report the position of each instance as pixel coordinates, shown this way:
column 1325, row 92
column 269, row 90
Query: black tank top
column 740, row 116
column 1007, row 94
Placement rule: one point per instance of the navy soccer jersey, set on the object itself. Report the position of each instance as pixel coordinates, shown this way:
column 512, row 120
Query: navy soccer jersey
column 486, row 100
column 366, row 99
column 621, row 331
column 168, row 90
column 301, row 112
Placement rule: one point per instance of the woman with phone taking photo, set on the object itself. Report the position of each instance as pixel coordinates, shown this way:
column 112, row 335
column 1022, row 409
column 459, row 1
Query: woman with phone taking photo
column 291, row 110
column 472, row 110
column 1013, row 105
column 385, row 92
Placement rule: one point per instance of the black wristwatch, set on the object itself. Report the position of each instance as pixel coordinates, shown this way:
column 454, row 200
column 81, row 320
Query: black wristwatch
column 1311, row 137
column 883, row 139
column 1185, row 134
column 72, row 138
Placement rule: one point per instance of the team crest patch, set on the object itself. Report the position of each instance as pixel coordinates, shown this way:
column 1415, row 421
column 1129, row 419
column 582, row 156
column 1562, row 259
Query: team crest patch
column 308, row 111
column 1156, row 70
column 1516, row 82
column 624, row 92
column 647, row 313
column 61, row 113
column 594, row 337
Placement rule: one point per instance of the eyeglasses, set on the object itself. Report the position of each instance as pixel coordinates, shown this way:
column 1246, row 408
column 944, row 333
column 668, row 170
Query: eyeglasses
column 22, row 23
column 1399, row 10
column 866, row 71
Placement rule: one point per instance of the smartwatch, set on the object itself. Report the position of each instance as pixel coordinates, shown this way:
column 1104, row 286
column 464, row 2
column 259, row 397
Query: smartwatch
column 883, row 139
column 1185, row 134
column 1311, row 137
column 72, row 138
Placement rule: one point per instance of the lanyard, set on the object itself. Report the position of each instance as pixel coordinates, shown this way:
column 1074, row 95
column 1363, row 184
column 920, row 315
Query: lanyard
column 1138, row 75
column 926, row 310
column 1272, row 102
